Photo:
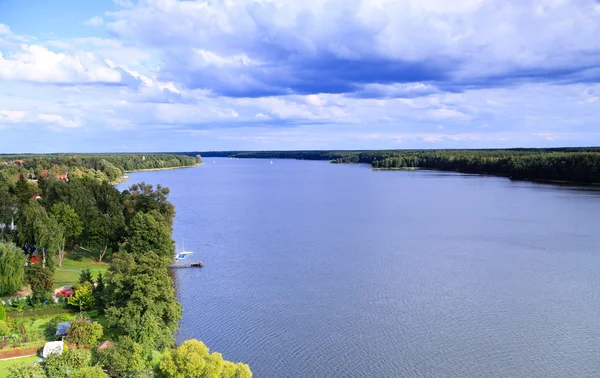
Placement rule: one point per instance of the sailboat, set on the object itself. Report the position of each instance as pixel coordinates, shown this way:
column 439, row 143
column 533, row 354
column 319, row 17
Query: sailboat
column 183, row 254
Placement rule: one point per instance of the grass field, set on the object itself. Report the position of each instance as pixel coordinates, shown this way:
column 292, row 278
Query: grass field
column 73, row 264
column 7, row 364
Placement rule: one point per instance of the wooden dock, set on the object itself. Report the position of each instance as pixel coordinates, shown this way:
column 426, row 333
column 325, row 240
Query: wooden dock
column 187, row 265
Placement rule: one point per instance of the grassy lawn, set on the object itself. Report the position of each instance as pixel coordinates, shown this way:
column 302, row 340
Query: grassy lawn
column 73, row 264
column 7, row 364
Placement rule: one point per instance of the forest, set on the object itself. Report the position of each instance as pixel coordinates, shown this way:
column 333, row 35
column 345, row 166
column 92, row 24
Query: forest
column 122, row 308
column 576, row 165
column 109, row 167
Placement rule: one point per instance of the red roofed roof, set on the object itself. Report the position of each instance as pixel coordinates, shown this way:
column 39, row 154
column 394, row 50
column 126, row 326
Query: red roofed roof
column 36, row 196
column 44, row 172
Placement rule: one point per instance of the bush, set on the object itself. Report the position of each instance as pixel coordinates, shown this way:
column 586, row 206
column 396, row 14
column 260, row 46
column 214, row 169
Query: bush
column 84, row 333
column 89, row 372
column 2, row 313
column 27, row 371
column 58, row 365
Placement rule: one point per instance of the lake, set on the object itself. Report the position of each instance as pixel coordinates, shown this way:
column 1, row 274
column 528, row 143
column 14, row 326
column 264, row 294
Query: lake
column 321, row 270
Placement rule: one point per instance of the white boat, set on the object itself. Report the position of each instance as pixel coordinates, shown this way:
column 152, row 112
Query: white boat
column 271, row 161
column 183, row 254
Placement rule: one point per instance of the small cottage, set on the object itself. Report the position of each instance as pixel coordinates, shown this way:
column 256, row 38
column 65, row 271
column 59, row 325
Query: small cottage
column 62, row 328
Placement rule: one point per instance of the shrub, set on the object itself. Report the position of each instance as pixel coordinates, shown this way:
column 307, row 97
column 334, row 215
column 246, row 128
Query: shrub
column 84, row 333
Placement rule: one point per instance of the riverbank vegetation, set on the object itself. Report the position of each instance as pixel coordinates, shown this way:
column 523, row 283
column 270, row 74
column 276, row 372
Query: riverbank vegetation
column 577, row 165
column 119, row 246
column 101, row 167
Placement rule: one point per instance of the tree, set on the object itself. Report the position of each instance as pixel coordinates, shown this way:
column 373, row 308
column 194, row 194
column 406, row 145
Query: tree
column 124, row 358
column 192, row 359
column 41, row 280
column 106, row 227
column 60, row 365
column 30, row 214
column 143, row 198
column 12, row 268
column 23, row 189
column 49, row 238
column 89, row 372
column 149, row 232
column 37, row 230
column 8, row 208
column 140, row 300
column 82, row 297
column 85, row 276
column 68, row 219
column 84, row 333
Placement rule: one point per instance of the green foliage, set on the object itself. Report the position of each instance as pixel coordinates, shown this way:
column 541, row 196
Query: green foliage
column 149, row 232
column 27, row 371
column 82, row 297
column 12, row 269
column 144, row 198
column 124, row 358
column 559, row 164
column 140, row 300
column 2, row 313
column 29, row 217
column 192, row 359
column 85, row 276
column 41, row 281
column 60, row 365
column 89, row 372
column 4, row 328
column 84, row 333
column 69, row 221
column 8, row 205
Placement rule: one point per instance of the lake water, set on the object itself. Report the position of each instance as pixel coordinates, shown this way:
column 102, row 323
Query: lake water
column 321, row 270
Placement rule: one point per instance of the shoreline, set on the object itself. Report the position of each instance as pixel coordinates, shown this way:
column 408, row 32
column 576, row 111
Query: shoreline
column 123, row 180
column 538, row 181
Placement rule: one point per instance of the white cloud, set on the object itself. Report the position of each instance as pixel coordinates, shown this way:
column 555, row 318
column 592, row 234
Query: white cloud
column 4, row 29
column 35, row 63
column 94, row 21
column 58, row 120
column 11, row 115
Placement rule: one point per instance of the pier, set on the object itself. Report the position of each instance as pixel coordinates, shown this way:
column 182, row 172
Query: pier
column 198, row 264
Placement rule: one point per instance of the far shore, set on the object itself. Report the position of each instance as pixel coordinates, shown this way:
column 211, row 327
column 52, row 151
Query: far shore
column 122, row 180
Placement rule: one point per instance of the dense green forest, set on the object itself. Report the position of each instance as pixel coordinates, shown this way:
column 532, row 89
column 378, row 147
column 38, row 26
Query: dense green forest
column 48, row 221
column 580, row 165
column 102, row 167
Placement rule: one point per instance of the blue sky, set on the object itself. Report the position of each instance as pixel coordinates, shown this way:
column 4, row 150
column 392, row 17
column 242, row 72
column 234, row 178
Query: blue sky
column 167, row 75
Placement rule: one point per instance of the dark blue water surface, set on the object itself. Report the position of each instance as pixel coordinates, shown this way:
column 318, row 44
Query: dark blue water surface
column 321, row 270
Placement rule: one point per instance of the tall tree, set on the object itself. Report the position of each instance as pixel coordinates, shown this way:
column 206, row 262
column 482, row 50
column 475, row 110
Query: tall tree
column 41, row 281
column 12, row 268
column 140, row 300
column 150, row 232
column 68, row 219
column 8, row 208
column 143, row 198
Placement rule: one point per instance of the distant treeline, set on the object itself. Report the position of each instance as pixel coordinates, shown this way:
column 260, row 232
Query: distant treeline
column 99, row 166
column 572, row 164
